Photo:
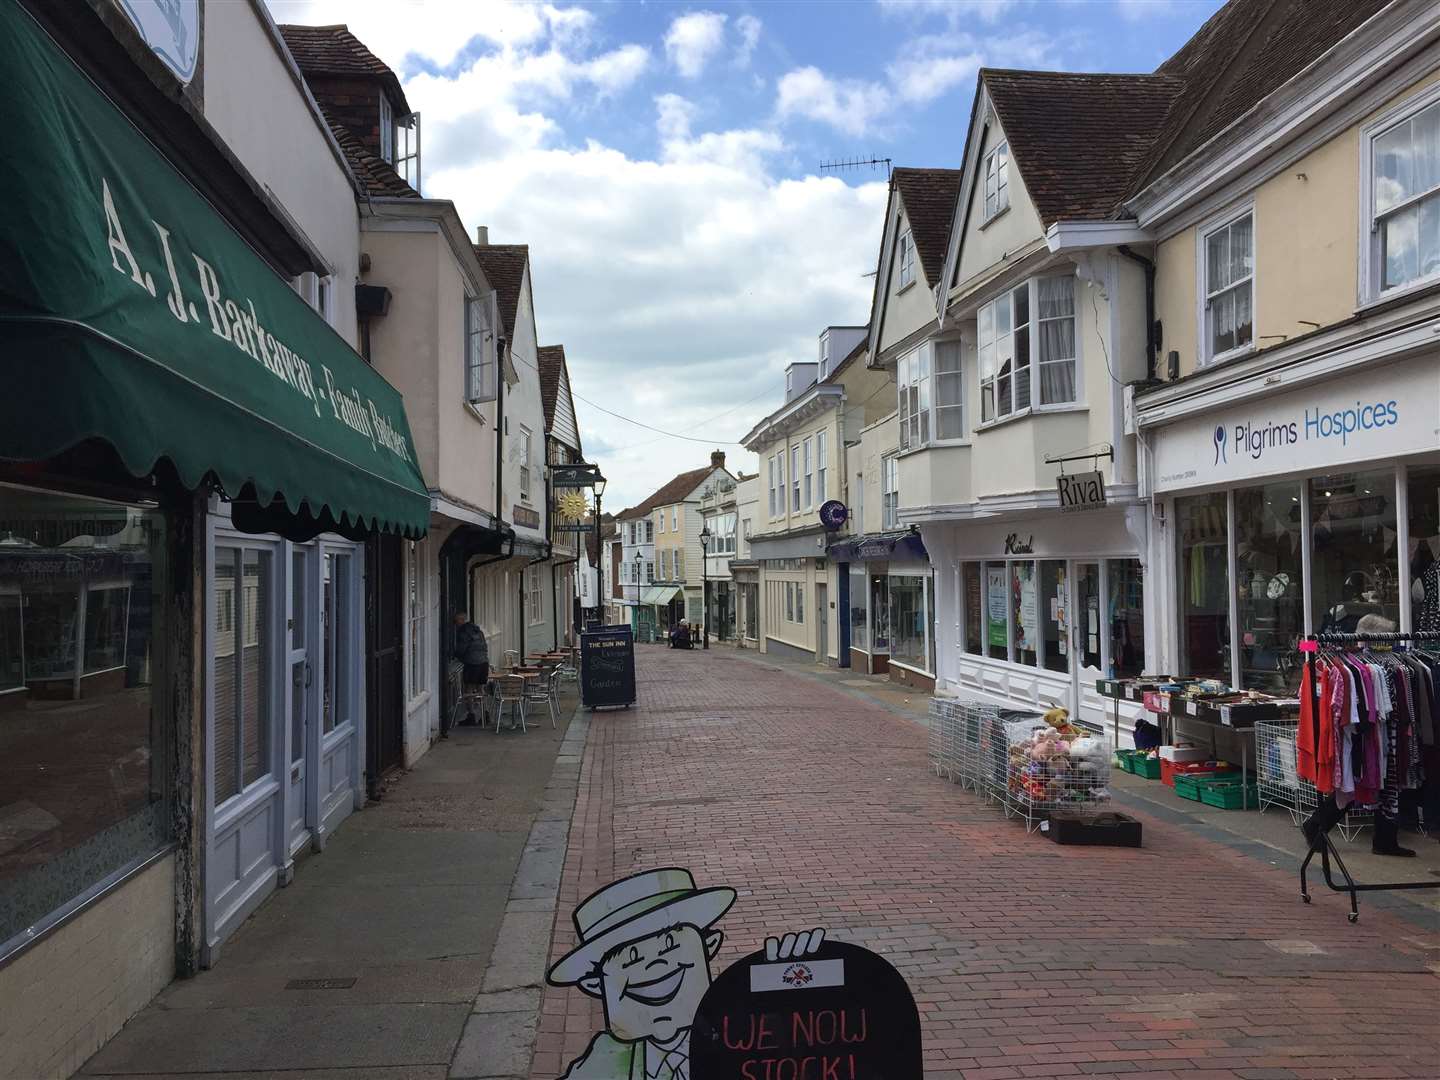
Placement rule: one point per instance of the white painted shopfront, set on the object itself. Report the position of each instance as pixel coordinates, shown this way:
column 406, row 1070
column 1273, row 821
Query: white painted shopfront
column 1032, row 609
column 284, row 709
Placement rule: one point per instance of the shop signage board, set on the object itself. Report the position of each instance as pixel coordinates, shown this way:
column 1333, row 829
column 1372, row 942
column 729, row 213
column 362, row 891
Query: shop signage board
column 172, row 30
column 834, row 514
column 1080, row 491
column 607, row 667
column 525, row 516
column 842, row 1012
column 572, row 527
column 574, row 476
column 1384, row 413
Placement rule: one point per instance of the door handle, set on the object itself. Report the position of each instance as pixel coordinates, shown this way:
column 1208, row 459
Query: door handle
column 308, row 674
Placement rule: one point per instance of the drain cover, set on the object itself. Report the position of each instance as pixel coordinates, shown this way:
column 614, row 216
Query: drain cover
column 320, row 984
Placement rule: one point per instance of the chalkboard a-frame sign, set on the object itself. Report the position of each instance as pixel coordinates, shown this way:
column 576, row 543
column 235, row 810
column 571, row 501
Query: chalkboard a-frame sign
column 843, row 1013
column 607, row 668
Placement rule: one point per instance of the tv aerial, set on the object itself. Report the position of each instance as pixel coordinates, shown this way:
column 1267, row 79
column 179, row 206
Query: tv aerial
column 855, row 164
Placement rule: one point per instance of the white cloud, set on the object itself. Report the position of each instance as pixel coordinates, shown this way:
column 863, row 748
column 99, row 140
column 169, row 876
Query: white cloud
column 692, row 41
column 955, row 12
column 922, row 80
column 848, row 105
column 748, row 27
column 1136, row 10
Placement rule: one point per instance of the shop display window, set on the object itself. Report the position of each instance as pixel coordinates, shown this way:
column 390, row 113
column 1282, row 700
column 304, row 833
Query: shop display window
column 1204, row 587
column 1127, row 617
column 1269, row 593
column 908, row 621
column 973, row 592
column 1024, row 614
column 1354, row 557
column 859, row 609
column 1055, row 614
column 1087, row 587
column 880, row 612
column 83, row 760
column 1424, row 554
column 997, row 634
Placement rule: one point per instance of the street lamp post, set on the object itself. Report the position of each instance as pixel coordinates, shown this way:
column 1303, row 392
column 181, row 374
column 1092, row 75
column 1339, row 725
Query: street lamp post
column 705, row 584
column 639, row 563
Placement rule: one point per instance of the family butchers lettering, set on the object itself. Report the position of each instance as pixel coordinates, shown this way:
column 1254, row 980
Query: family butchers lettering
column 240, row 325
column 1255, row 439
column 809, row 1044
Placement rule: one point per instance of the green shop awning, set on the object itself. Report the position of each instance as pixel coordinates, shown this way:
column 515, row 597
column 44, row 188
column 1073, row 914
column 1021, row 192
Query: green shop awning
column 131, row 312
column 660, row 596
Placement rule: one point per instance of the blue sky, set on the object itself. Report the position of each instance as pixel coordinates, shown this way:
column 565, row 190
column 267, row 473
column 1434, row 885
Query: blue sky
column 663, row 162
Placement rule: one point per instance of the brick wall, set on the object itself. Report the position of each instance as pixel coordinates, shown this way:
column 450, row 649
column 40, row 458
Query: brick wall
column 354, row 103
column 64, row 998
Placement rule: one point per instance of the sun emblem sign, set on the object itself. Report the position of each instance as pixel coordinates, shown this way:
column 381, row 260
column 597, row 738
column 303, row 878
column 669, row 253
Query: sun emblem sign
column 572, row 506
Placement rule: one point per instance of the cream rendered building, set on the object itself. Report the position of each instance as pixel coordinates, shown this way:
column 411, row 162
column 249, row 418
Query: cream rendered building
column 1292, row 457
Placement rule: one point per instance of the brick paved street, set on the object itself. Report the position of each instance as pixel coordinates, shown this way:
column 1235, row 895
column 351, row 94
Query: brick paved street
column 1184, row 959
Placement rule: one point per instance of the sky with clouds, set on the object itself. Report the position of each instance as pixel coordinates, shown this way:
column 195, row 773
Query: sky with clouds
column 664, row 163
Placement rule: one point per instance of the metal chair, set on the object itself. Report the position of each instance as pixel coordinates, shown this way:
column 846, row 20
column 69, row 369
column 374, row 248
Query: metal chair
column 541, row 691
column 467, row 694
column 511, row 690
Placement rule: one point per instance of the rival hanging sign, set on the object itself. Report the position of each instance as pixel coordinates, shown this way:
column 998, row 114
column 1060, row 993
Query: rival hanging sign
column 1080, row 491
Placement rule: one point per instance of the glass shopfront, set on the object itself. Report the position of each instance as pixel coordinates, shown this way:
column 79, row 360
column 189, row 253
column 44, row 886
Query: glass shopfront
column 912, row 628
column 82, row 745
column 1348, row 552
column 859, row 607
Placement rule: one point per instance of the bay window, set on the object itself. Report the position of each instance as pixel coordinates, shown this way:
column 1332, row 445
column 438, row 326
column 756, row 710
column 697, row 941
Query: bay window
column 795, row 479
column 1229, row 289
column 890, row 492
column 929, row 407
column 1405, row 198
column 1014, row 358
column 776, row 490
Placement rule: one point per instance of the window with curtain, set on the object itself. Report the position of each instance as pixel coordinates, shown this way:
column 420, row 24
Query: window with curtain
column 970, row 583
column 1201, row 528
column 1055, row 338
column 1405, row 215
column 1229, row 286
column 1354, row 558
column 1270, row 590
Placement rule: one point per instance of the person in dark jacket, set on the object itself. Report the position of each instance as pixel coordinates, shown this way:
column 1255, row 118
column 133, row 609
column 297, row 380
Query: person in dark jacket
column 471, row 650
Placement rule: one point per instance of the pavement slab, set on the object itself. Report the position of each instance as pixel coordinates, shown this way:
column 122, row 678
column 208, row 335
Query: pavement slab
column 1191, row 958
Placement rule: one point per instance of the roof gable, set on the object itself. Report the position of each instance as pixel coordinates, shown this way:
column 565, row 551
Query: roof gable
column 334, row 51
column 928, row 199
column 555, row 397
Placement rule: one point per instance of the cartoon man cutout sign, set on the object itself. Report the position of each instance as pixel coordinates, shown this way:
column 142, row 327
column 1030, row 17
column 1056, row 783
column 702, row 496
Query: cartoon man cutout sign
column 645, row 949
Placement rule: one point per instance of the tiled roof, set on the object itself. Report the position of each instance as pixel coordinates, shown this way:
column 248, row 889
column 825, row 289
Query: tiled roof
column 1244, row 52
column 1079, row 140
column 334, row 50
column 929, row 198
column 376, row 176
column 504, row 266
column 672, row 492
column 550, row 359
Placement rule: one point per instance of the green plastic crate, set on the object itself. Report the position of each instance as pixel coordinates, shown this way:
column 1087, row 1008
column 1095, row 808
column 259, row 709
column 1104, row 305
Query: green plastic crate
column 1228, row 794
column 1187, row 785
column 1125, row 760
column 1147, row 767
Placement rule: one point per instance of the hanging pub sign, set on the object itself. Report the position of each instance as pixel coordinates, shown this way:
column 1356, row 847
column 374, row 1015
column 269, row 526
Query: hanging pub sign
column 1080, row 491
column 834, row 514
column 574, row 476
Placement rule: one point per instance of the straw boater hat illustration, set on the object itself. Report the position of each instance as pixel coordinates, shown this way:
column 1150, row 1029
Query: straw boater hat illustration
column 633, row 908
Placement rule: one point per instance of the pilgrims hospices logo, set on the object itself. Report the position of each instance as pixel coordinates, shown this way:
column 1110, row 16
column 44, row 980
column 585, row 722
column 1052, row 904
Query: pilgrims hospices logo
column 1220, row 444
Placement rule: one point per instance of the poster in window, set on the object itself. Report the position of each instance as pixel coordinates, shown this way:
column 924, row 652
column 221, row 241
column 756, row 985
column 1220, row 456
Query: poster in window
column 1028, row 631
column 995, row 604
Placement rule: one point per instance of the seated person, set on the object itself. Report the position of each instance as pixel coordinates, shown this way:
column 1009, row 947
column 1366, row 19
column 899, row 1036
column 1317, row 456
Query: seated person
column 680, row 637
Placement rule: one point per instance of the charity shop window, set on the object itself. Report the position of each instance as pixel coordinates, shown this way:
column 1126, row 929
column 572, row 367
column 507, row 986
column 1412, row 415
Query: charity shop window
column 1027, row 347
column 910, row 620
column 997, row 180
column 84, row 734
column 906, row 251
column 1405, row 198
column 1229, row 287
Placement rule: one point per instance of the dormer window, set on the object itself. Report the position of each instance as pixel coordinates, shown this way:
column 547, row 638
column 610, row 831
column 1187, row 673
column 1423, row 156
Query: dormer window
column 997, row 180
column 407, row 149
column 906, row 253
column 824, row 357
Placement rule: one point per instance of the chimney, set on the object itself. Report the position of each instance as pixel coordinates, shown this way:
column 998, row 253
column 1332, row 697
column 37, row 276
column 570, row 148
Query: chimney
column 717, row 459
column 482, row 235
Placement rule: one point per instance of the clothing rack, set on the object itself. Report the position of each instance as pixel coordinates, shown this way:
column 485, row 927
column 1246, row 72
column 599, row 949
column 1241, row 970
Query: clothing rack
column 1322, row 844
